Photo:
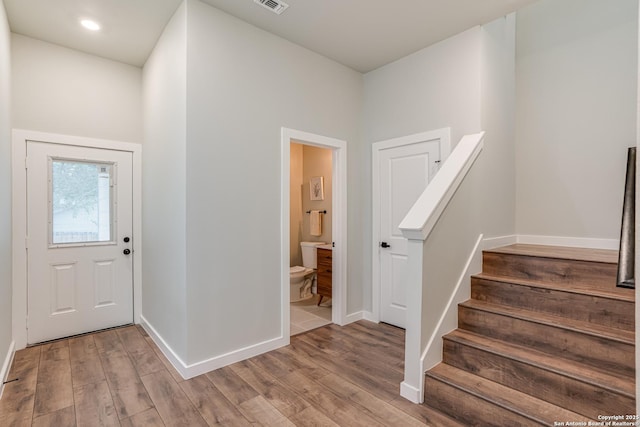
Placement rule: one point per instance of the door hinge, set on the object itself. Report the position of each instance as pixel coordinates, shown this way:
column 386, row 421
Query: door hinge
column 26, row 163
column 26, row 242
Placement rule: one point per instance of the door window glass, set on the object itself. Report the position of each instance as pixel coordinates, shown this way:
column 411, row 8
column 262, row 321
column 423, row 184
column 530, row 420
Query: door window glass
column 81, row 203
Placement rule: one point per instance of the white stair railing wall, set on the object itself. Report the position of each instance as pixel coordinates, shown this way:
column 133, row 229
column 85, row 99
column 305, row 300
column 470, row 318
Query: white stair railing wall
column 429, row 290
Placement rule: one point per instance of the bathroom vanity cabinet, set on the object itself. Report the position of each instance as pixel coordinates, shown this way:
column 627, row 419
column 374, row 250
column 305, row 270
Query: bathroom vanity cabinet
column 325, row 267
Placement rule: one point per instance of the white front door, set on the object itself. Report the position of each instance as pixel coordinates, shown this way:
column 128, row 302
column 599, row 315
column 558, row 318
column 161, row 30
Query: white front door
column 404, row 172
column 79, row 222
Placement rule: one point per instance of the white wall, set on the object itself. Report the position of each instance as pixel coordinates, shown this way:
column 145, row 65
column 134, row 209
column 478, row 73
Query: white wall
column 5, row 188
column 436, row 87
column 242, row 85
column 496, row 197
column 165, row 188
column 576, row 115
column 64, row 91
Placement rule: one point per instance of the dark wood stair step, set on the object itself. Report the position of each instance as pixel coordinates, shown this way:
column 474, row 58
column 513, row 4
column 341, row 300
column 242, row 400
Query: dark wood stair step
column 604, row 307
column 561, row 252
column 480, row 402
column 579, row 388
column 599, row 346
column 596, row 268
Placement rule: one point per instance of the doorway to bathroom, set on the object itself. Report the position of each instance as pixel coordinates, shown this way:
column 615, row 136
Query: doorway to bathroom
column 313, row 231
column 310, row 247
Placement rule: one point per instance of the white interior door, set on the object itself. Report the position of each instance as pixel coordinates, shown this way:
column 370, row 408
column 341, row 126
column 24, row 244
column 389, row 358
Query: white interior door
column 79, row 223
column 404, row 173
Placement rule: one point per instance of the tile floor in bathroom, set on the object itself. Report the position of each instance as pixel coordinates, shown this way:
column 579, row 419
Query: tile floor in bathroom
column 306, row 315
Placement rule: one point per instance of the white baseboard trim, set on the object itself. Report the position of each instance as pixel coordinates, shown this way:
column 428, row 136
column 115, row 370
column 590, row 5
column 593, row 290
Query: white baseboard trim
column 368, row 315
column 216, row 362
column 411, row 393
column 577, row 242
column 496, row 242
column 204, row 366
column 360, row 315
column 165, row 348
column 448, row 321
column 353, row 317
column 6, row 366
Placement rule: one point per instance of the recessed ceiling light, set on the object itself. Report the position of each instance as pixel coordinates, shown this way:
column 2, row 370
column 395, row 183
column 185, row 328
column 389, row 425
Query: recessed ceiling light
column 90, row 25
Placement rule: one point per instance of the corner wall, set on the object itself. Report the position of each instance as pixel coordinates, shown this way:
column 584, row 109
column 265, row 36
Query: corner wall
column 576, row 115
column 243, row 85
column 217, row 92
column 5, row 192
column 496, row 197
column 164, row 198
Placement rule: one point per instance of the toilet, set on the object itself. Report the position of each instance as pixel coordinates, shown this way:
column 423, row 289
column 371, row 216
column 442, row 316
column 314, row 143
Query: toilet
column 301, row 278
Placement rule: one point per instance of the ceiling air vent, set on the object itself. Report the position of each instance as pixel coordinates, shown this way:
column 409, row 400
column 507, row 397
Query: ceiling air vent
column 276, row 6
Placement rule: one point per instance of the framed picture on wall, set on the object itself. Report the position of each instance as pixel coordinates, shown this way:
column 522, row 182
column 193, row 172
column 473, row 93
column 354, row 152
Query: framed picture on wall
column 316, row 188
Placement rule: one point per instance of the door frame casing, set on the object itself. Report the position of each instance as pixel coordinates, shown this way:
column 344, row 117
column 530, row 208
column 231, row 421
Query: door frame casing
column 339, row 222
column 444, row 136
column 20, row 137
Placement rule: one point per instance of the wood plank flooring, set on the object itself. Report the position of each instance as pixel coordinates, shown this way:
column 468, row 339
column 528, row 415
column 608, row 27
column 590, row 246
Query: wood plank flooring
column 331, row 376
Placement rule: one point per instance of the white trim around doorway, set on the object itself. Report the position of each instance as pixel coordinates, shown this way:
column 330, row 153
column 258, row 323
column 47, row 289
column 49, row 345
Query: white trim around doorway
column 19, row 218
column 339, row 221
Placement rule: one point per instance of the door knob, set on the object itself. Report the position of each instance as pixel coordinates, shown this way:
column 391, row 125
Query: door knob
column 385, row 245
column 126, row 251
column 126, row 240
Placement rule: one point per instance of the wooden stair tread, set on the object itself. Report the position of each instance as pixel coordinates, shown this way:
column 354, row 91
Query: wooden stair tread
column 512, row 400
column 610, row 381
column 547, row 337
column 560, row 252
column 622, row 336
column 620, row 294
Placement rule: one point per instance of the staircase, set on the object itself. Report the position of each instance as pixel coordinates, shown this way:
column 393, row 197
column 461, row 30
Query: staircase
column 546, row 337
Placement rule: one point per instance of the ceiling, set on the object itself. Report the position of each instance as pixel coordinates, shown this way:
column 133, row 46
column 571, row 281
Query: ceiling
column 361, row 34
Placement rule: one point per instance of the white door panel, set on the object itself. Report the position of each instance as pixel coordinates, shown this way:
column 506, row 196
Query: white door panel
column 79, row 211
column 404, row 173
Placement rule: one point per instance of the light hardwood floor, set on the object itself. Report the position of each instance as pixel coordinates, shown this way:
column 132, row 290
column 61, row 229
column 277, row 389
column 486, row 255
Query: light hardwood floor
column 346, row 376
